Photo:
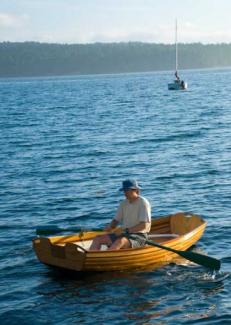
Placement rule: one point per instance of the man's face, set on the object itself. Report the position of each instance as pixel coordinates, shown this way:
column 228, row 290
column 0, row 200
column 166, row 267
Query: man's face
column 131, row 194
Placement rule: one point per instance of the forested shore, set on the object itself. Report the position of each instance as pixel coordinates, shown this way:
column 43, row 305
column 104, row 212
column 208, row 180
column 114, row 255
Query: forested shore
column 43, row 59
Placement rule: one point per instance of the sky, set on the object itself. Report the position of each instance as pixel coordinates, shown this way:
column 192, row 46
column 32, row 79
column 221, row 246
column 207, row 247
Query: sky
column 90, row 21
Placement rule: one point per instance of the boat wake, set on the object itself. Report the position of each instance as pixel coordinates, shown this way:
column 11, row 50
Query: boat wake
column 215, row 277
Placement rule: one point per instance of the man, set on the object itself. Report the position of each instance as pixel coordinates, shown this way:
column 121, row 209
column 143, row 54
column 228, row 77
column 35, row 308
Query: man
column 134, row 214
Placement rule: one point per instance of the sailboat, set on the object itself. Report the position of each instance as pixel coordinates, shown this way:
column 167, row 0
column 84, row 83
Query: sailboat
column 177, row 84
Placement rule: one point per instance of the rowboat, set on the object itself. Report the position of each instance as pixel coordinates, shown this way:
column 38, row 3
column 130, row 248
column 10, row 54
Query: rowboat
column 178, row 231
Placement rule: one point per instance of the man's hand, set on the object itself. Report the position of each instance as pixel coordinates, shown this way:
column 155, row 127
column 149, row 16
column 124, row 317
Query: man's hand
column 112, row 225
column 118, row 231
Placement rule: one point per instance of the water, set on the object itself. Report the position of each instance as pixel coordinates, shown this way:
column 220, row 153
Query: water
column 66, row 145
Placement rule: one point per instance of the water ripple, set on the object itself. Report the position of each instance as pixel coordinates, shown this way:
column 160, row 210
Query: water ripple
column 66, row 145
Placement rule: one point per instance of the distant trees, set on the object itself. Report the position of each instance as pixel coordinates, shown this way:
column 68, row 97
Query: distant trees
column 42, row 59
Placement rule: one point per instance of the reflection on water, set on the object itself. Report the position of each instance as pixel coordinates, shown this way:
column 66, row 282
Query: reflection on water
column 152, row 297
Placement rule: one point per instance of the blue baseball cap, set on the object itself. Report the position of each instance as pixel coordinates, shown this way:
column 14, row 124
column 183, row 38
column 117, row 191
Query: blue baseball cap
column 130, row 184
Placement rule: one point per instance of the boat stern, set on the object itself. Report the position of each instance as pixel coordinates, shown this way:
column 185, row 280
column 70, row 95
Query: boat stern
column 68, row 256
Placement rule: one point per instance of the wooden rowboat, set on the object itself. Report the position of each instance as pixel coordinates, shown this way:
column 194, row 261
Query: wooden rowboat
column 178, row 231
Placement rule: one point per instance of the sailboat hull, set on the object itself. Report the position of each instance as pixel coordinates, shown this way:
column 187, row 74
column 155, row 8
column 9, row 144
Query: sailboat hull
column 177, row 85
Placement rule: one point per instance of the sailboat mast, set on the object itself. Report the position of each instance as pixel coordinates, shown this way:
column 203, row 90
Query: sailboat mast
column 176, row 48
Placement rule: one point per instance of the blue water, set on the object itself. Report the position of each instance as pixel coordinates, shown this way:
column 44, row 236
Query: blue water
column 66, row 144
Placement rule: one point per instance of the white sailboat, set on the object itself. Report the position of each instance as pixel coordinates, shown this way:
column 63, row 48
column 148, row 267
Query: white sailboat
column 177, row 84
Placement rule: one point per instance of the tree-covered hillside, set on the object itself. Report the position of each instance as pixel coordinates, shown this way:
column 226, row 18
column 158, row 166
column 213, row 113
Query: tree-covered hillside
column 42, row 59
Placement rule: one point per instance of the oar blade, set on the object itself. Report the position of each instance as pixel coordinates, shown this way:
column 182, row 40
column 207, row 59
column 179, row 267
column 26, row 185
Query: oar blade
column 206, row 261
column 47, row 230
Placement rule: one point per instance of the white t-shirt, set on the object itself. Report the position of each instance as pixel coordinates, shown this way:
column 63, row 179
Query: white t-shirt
column 131, row 214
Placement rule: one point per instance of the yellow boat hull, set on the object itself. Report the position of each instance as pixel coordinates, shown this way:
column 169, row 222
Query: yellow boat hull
column 178, row 231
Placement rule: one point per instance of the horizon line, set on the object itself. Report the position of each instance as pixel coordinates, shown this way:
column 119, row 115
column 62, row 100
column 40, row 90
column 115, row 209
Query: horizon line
column 116, row 42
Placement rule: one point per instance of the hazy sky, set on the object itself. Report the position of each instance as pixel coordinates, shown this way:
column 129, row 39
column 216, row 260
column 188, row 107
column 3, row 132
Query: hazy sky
column 88, row 21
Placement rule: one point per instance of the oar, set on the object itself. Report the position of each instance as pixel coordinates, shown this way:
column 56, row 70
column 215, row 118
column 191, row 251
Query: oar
column 50, row 230
column 200, row 259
